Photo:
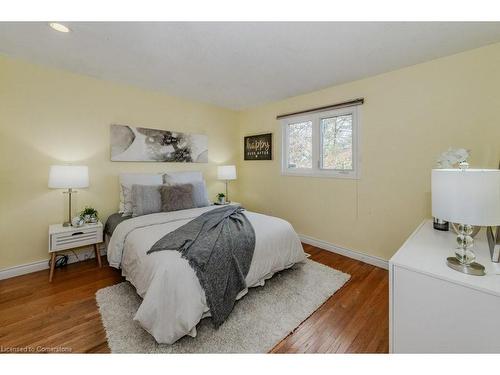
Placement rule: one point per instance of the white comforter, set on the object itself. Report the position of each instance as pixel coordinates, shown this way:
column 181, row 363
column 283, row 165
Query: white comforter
column 173, row 300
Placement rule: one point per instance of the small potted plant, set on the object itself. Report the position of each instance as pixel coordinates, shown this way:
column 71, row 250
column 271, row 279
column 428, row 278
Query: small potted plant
column 221, row 198
column 89, row 215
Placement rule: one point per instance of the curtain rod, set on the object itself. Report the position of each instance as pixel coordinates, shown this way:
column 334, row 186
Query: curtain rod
column 349, row 103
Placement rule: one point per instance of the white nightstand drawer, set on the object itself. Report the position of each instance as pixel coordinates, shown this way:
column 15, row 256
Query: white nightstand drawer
column 76, row 238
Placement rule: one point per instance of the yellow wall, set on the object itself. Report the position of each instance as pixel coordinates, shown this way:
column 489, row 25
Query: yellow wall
column 409, row 117
column 49, row 117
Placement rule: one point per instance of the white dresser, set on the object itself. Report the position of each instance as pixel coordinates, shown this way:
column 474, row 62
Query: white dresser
column 434, row 309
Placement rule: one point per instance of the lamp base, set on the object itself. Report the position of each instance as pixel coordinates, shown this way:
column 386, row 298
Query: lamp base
column 474, row 268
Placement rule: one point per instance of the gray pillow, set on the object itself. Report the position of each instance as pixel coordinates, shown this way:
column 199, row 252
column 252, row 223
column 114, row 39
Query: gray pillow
column 129, row 179
column 177, row 197
column 146, row 199
column 195, row 178
column 200, row 196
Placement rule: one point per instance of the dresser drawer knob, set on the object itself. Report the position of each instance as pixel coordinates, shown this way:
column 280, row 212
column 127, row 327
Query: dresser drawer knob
column 77, row 233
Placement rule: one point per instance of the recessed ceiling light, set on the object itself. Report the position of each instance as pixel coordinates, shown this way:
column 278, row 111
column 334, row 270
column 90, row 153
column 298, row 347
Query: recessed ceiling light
column 59, row 27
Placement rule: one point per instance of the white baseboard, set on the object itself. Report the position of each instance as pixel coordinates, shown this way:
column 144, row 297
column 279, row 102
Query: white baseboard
column 41, row 265
column 23, row 269
column 370, row 259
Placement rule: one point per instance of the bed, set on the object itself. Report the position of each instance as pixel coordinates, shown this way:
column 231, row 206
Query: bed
column 173, row 299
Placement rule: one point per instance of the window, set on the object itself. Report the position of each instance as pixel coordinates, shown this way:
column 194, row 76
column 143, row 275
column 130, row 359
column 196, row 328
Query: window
column 321, row 144
column 300, row 145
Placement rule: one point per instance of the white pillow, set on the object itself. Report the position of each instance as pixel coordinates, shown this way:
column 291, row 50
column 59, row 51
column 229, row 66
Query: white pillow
column 173, row 178
column 200, row 194
column 129, row 179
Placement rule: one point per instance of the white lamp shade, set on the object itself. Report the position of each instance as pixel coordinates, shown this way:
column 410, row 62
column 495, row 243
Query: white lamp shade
column 226, row 172
column 68, row 176
column 470, row 196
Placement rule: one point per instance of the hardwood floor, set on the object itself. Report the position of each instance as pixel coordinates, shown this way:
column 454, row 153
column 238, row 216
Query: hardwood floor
column 62, row 315
column 354, row 320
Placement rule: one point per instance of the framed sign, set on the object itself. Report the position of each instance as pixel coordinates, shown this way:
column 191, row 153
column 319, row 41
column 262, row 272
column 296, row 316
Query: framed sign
column 259, row 147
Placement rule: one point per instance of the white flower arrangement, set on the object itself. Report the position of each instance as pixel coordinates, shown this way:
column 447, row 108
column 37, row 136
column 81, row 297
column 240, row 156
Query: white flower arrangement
column 452, row 158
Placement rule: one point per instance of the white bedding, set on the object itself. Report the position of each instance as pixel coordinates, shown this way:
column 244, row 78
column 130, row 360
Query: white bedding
column 173, row 300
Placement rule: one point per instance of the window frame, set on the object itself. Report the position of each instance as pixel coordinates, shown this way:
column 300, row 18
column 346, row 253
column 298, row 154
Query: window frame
column 317, row 146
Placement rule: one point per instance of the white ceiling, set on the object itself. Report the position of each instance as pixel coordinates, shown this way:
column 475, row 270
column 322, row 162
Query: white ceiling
column 239, row 65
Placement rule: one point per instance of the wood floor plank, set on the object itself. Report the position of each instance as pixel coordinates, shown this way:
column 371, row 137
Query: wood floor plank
column 64, row 314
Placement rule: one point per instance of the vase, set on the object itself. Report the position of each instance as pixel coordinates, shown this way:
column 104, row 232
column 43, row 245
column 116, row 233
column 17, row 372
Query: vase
column 77, row 221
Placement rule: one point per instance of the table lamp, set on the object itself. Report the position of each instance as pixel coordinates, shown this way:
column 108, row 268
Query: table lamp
column 226, row 173
column 468, row 197
column 68, row 177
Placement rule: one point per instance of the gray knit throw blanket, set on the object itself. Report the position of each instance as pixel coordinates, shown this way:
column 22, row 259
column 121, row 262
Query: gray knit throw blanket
column 219, row 246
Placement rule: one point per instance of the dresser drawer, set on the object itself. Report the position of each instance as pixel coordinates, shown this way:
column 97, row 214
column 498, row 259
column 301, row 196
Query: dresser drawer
column 76, row 238
column 431, row 315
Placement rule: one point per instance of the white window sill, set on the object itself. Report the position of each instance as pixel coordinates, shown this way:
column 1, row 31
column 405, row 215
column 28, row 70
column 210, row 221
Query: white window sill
column 322, row 174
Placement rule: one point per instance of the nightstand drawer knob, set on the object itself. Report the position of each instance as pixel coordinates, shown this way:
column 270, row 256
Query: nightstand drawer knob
column 77, row 233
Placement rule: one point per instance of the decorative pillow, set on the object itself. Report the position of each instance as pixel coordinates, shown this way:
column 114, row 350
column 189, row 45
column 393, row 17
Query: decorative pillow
column 126, row 182
column 146, row 199
column 200, row 195
column 176, row 197
column 126, row 200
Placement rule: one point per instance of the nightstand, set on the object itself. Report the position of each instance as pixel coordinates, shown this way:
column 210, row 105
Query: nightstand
column 65, row 238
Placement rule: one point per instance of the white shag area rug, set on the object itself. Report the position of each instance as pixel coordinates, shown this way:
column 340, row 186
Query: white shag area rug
column 259, row 321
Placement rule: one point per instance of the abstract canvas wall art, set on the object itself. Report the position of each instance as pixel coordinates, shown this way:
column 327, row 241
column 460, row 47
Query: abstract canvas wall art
column 130, row 143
